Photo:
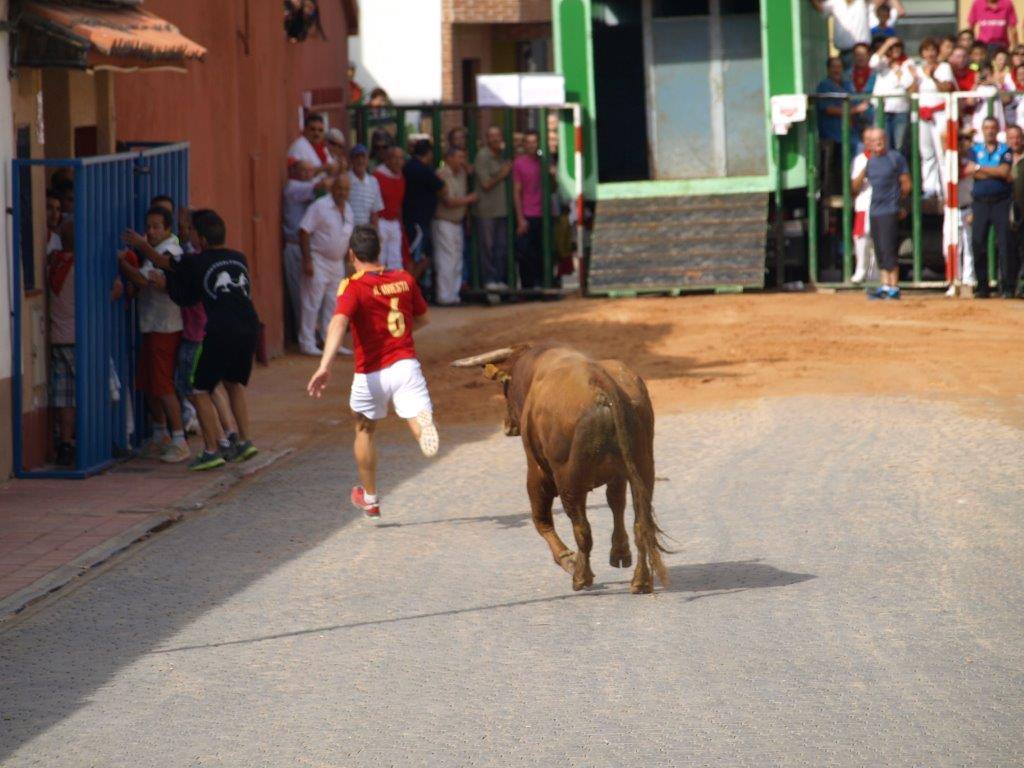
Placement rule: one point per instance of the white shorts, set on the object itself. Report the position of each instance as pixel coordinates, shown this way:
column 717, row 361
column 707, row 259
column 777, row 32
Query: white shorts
column 401, row 383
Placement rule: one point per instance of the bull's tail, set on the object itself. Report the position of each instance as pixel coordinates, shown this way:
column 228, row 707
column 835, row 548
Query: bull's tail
column 648, row 531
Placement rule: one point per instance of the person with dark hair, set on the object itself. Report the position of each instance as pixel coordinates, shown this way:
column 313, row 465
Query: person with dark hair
column 392, row 191
column 219, row 277
column 946, row 46
column 935, row 79
column 53, row 221
column 310, row 146
column 895, row 76
column 528, row 198
column 448, row 226
column 992, row 168
column 161, row 326
column 380, row 142
column 364, row 189
column 383, row 307
column 993, row 23
column 493, row 169
column 420, row 204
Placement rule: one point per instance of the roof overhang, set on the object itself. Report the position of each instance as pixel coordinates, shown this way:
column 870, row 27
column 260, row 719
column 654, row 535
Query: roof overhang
column 100, row 36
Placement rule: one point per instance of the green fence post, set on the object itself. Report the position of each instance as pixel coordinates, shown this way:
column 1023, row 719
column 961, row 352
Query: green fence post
column 812, row 193
column 510, row 151
column 400, row 129
column 435, row 132
column 915, row 187
column 847, row 195
column 779, row 224
column 880, row 113
column 362, row 130
column 474, row 241
column 545, row 191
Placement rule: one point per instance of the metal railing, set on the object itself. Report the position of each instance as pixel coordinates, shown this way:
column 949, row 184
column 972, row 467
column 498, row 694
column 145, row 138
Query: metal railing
column 952, row 223
column 363, row 119
column 112, row 193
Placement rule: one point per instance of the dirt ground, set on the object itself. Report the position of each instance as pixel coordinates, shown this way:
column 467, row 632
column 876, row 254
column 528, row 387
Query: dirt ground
column 709, row 351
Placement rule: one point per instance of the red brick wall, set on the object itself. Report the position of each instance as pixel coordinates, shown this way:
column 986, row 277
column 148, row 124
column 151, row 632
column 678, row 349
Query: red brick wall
column 239, row 110
column 490, row 11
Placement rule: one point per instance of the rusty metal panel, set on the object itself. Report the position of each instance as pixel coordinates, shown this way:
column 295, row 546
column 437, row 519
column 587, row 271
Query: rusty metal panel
column 743, row 93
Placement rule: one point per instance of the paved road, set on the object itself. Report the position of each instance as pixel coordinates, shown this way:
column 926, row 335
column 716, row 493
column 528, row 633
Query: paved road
column 845, row 594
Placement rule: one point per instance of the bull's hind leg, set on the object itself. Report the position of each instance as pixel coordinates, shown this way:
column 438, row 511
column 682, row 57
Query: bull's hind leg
column 541, row 490
column 576, row 509
column 621, row 556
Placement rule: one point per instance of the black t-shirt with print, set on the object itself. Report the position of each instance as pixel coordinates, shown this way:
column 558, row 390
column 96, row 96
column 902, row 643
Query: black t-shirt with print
column 219, row 277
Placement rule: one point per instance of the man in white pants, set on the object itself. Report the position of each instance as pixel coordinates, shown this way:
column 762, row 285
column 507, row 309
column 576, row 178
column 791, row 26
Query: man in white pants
column 392, row 190
column 323, row 238
column 935, row 80
column 300, row 190
column 383, row 307
column 863, row 250
column 448, row 226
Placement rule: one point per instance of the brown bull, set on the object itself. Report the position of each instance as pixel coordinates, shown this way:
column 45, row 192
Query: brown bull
column 584, row 424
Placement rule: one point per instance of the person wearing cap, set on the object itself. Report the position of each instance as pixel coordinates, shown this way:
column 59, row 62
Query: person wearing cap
column 365, row 196
column 336, row 147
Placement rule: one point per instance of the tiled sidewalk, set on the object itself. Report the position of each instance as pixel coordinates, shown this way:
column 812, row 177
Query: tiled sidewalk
column 53, row 530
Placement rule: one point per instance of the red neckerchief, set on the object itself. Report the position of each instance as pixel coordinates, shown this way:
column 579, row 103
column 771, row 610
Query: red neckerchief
column 61, row 263
column 965, row 79
column 321, row 152
column 1017, row 84
column 861, row 75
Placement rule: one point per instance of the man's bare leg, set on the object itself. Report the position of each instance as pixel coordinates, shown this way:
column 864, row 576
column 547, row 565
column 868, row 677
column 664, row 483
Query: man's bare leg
column 365, row 449
column 223, row 406
column 239, row 408
column 208, row 421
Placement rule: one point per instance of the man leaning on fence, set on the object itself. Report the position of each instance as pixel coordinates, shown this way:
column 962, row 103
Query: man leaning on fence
column 992, row 167
column 889, row 176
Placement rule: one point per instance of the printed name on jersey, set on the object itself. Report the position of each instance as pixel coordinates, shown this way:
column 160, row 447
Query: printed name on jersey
column 390, row 289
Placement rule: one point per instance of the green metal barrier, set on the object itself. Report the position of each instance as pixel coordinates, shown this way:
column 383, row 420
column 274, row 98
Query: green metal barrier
column 394, row 118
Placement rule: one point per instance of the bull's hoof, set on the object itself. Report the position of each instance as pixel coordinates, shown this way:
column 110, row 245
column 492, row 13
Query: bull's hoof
column 568, row 561
column 621, row 559
column 644, row 588
column 583, row 582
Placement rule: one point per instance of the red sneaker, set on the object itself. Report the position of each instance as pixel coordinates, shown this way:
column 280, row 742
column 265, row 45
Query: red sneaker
column 372, row 511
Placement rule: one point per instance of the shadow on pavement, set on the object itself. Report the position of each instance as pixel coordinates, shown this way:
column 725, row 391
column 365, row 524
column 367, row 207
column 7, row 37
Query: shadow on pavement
column 705, row 579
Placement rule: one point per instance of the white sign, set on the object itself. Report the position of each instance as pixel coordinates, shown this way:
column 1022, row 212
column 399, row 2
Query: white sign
column 534, row 89
column 786, row 110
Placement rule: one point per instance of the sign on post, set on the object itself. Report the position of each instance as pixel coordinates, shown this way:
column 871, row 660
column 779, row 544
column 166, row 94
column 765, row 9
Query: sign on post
column 788, row 109
column 533, row 89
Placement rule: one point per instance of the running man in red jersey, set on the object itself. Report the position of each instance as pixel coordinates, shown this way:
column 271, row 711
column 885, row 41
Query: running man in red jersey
column 383, row 306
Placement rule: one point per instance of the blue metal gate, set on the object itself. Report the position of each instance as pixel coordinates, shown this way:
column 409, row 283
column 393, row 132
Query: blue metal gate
column 112, row 193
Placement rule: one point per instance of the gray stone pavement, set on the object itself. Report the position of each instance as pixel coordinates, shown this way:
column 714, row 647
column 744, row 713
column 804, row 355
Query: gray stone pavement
column 847, row 592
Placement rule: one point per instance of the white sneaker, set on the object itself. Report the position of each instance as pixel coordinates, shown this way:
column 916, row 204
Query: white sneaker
column 493, row 287
column 192, row 426
column 857, row 277
column 175, row 452
column 429, row 439
column 951, row 291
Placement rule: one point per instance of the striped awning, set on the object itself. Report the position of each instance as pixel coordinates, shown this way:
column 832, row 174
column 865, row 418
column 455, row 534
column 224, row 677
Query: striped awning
column 100, row 37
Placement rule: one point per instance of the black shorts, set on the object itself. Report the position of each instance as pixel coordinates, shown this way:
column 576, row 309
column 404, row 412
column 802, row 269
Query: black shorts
column 885, row 234
column 225, row 357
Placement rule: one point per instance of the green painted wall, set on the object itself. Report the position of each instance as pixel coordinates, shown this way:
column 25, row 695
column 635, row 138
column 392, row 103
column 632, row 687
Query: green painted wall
column 794, row 48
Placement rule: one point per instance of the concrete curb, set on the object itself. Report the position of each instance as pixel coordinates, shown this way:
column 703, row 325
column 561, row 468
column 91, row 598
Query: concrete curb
column 59, row 578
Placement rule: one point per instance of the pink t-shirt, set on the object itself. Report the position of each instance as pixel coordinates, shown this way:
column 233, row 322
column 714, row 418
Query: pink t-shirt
column 993, row 22
column 526, row 170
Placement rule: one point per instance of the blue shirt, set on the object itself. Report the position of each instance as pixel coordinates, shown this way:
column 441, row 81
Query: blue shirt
column 884, row 173
column 831, row 126
column 984, row 158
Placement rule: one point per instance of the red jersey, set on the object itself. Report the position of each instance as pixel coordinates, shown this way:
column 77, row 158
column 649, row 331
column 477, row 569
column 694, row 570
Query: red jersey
column 380, row 306
column 392, row 192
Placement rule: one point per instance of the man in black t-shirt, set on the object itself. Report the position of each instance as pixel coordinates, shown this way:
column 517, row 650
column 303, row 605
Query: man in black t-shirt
column 219, row 278
column 421, row 188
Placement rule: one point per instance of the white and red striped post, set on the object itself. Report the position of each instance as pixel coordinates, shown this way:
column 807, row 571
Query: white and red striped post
column 951, row 220
column 577, row 124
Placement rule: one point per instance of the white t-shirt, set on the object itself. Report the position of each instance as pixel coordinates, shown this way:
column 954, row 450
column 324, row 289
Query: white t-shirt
column 364, row 197
column 157, row 313
column 928, row 87
column 302, row 151
column 851, row 24
column 53, row 243
column 296, row 198
column 329, row 230
column 893, row 80
column 984, row 91
column 863, row 200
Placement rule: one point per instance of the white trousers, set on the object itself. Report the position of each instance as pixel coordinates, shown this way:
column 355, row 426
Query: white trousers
column 933, row 166
column 864, row 252
column 292, row 259
column 390, row 243
column 448, row 260
column 967, row 248
column 318, row 295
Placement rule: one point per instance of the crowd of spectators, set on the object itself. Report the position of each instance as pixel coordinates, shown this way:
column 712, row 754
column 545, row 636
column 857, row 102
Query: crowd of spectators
column 985, row 60
column 423, row 211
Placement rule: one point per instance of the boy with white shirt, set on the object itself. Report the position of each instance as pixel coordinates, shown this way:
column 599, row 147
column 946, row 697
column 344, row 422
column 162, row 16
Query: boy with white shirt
column 161, row 327
column 895, row 74
column 851, row 23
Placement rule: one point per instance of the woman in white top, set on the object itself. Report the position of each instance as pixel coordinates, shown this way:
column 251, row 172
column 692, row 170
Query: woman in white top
column 989, row 103
column 935, row 79
column 896, row 76
column 1013, row 99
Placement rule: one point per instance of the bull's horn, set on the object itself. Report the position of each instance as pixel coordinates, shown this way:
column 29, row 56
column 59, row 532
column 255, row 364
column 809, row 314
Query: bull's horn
column 494, row 356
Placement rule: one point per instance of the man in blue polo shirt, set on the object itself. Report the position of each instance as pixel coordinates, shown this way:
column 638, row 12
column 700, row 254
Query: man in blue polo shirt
column 992, row 168
column 887, row 172
column 830, row 120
